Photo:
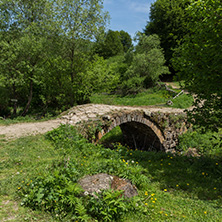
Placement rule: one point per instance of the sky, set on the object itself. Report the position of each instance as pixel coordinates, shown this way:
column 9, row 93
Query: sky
column 128, row 15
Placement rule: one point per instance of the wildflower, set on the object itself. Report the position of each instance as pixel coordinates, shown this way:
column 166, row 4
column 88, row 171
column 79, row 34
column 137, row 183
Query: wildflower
column 86, row 193
column 22, row 181
column 19, row 188
column 161, row 164
column 146, row 204
column 136, row 162
column 177, row 185
column 130, row 153
column 152, row 194
column 171, row 157
column 165, row 190
column 203, row 173
column 169, row 163
column 153, row 201
column 205, row 212
column 124, row 161
column 166, row 214
column 27, row 184
column 149, row 161
column 146, row 193
column 216, row 163
column 132, row 161
column 215, row 188
column 188, row 184
column 161, row 212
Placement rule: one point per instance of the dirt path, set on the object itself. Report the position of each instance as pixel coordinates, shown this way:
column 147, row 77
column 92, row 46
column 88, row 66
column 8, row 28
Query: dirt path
column 74, row 115
column 25, row 129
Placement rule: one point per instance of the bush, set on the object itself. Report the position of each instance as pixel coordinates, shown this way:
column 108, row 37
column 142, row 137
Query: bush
column 209, row 142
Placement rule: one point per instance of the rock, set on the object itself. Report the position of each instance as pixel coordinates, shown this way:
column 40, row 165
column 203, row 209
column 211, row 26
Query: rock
column 97, row 183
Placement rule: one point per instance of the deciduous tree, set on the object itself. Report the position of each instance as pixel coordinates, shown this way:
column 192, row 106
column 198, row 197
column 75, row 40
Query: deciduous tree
column 199, row 61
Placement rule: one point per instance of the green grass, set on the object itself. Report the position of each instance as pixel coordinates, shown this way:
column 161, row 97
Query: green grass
column 146, row 98
column 25, row 119
column 171, row 187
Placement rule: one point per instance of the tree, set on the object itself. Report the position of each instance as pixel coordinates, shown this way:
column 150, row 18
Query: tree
column 168, row 20
column 81, row 22
column 23, row 47
column 199, row 61
column 126, row 40
column 112, row 45
column 45, row 47
column 147, row 64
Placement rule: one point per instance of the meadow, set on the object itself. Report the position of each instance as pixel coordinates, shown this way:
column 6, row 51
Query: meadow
column 39, row 177
column 39, row 174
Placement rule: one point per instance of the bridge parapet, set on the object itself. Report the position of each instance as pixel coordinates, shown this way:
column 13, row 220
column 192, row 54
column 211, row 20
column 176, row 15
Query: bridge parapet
column 144, row 128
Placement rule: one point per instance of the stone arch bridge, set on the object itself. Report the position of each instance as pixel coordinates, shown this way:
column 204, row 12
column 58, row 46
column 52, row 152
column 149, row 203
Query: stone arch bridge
column 143, row 127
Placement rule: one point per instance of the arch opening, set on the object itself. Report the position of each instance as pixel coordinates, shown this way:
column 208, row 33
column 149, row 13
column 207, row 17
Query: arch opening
column 140, row 136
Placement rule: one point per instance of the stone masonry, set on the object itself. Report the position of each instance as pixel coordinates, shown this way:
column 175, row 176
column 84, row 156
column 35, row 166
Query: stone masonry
column 147, row 128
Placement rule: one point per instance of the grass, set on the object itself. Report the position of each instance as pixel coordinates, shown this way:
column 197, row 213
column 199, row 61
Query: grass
column 171, row 187
column 146, row 98
column 23, row 119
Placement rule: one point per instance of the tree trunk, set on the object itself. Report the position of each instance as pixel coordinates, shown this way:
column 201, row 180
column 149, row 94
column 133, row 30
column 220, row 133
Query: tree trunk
column 29, row 99
column 14, row 97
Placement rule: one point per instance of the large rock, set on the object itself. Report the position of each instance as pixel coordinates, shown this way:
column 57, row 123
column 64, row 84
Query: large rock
column 97, row 183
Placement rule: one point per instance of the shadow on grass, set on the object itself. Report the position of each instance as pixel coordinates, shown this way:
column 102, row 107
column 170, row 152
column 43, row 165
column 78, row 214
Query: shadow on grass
column 198, row 177
column 194, row 177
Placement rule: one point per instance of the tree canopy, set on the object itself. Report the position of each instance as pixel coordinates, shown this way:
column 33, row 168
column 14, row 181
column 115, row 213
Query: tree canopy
column 168, row 19
column 44, row 49
column 199, row 61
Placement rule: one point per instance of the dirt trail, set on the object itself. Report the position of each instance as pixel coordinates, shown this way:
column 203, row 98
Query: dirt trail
column 25, row 129
column 74, row 115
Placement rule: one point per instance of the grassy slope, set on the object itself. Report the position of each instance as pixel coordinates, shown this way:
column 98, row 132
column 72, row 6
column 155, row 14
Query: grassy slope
column 146, row 98
column 183, row 188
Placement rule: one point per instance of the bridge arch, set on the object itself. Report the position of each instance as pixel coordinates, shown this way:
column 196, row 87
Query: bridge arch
column 137, row 128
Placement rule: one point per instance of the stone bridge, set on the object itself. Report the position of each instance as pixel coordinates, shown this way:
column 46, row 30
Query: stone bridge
column 145, row 128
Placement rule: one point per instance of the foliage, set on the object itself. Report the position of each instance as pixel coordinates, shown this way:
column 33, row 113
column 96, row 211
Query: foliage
column 126, row 40
column 168, row 19
column 46, row 47
column 114, row 43
column 199, row 62
column 147, row 64
column 108, row 206
column 210, row 142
